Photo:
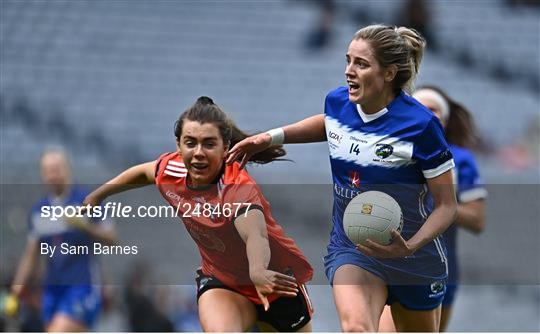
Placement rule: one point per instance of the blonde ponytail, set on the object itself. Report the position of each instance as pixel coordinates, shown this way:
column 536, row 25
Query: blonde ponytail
column 416, row 45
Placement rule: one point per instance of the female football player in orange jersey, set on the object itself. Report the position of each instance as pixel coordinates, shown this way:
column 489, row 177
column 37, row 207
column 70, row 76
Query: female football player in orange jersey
column 250, row 270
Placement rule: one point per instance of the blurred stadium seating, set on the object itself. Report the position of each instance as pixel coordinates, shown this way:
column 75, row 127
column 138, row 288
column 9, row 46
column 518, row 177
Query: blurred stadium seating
column 106, row 69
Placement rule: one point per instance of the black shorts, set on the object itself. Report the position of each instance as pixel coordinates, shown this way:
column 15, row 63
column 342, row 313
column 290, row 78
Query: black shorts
column 285, row 314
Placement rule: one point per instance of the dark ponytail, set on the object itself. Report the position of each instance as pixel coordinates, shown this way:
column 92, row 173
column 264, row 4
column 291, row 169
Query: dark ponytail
column 206, row 111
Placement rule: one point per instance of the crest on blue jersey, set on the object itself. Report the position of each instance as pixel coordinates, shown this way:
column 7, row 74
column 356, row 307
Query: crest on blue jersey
column 437, row 287
column 383, row 150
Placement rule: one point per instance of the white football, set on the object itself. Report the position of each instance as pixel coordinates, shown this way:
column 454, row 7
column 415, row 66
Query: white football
column 372, row 215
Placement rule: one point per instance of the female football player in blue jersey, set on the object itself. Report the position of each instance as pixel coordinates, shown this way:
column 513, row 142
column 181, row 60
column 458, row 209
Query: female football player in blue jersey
column 381, row 138
column 71, row 291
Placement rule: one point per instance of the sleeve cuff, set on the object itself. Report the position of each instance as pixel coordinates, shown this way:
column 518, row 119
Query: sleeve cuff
column 431, row 173
column 472, row 195
column 244, row 209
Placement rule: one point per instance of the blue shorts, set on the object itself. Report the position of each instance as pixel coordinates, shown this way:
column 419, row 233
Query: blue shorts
column 412, row 291
column 80, row 302
column 450, row 295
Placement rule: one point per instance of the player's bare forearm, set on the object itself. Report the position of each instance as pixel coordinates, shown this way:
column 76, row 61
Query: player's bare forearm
column 258, row 252
column 28, row 262
column 444, row 214
column 439, row 220
column 471, row 215
column 309, row 130
column 134, row 177
column 252, row 229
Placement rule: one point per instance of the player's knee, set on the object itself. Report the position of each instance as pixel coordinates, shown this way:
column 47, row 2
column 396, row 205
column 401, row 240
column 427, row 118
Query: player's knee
column 216, row 328
column 224, row 325
column 64, row 324
column 354, row 324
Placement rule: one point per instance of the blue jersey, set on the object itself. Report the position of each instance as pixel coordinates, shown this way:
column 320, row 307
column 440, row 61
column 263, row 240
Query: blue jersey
column 64, row 269
column 469, row 187
column 393, row 151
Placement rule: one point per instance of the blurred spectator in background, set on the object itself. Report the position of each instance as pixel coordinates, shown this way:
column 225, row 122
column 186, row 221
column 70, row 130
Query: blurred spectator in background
column 320, row 34
column 524, row 3
column 417, row 14
column 184, row 311
column 142, row 300
column 524, row 152
column 71, row 298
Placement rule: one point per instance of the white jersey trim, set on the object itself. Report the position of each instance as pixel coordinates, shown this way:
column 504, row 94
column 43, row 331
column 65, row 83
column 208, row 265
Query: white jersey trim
column 421, row 199
column 176, row 163
column 176, row 169
column 434, row 172
column 440, row 250
column 370, row 117
column 168, row 172
column 472, row 195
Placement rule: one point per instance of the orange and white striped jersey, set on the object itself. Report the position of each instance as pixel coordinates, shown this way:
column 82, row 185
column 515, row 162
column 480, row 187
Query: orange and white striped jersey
column 209, row 214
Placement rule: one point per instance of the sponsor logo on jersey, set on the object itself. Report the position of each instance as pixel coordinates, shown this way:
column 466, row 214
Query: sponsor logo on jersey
column 383, row 151
column 335, row 136
column 445, row 155
column 174, row 196
column 354, row 179
column 298, row 322
column 346, row 193
column 204, row 281
column 356, row 139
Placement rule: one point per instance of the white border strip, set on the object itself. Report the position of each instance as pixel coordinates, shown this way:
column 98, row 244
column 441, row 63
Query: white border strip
column 176, row 169
column 431, row 173
column 174, row 174
column 176, row 163
column 472, row 195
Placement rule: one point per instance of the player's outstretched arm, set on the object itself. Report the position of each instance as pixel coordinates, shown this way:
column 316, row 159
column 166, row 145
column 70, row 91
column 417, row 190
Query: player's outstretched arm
column 308, row 130
column 252, row 229
column 103, row 234
column 134, row 177
column 27, row 263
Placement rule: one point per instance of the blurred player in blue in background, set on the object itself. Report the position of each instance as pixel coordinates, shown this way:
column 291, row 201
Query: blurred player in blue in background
column 462, row 136
column 71, row 298
column 382, row 139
